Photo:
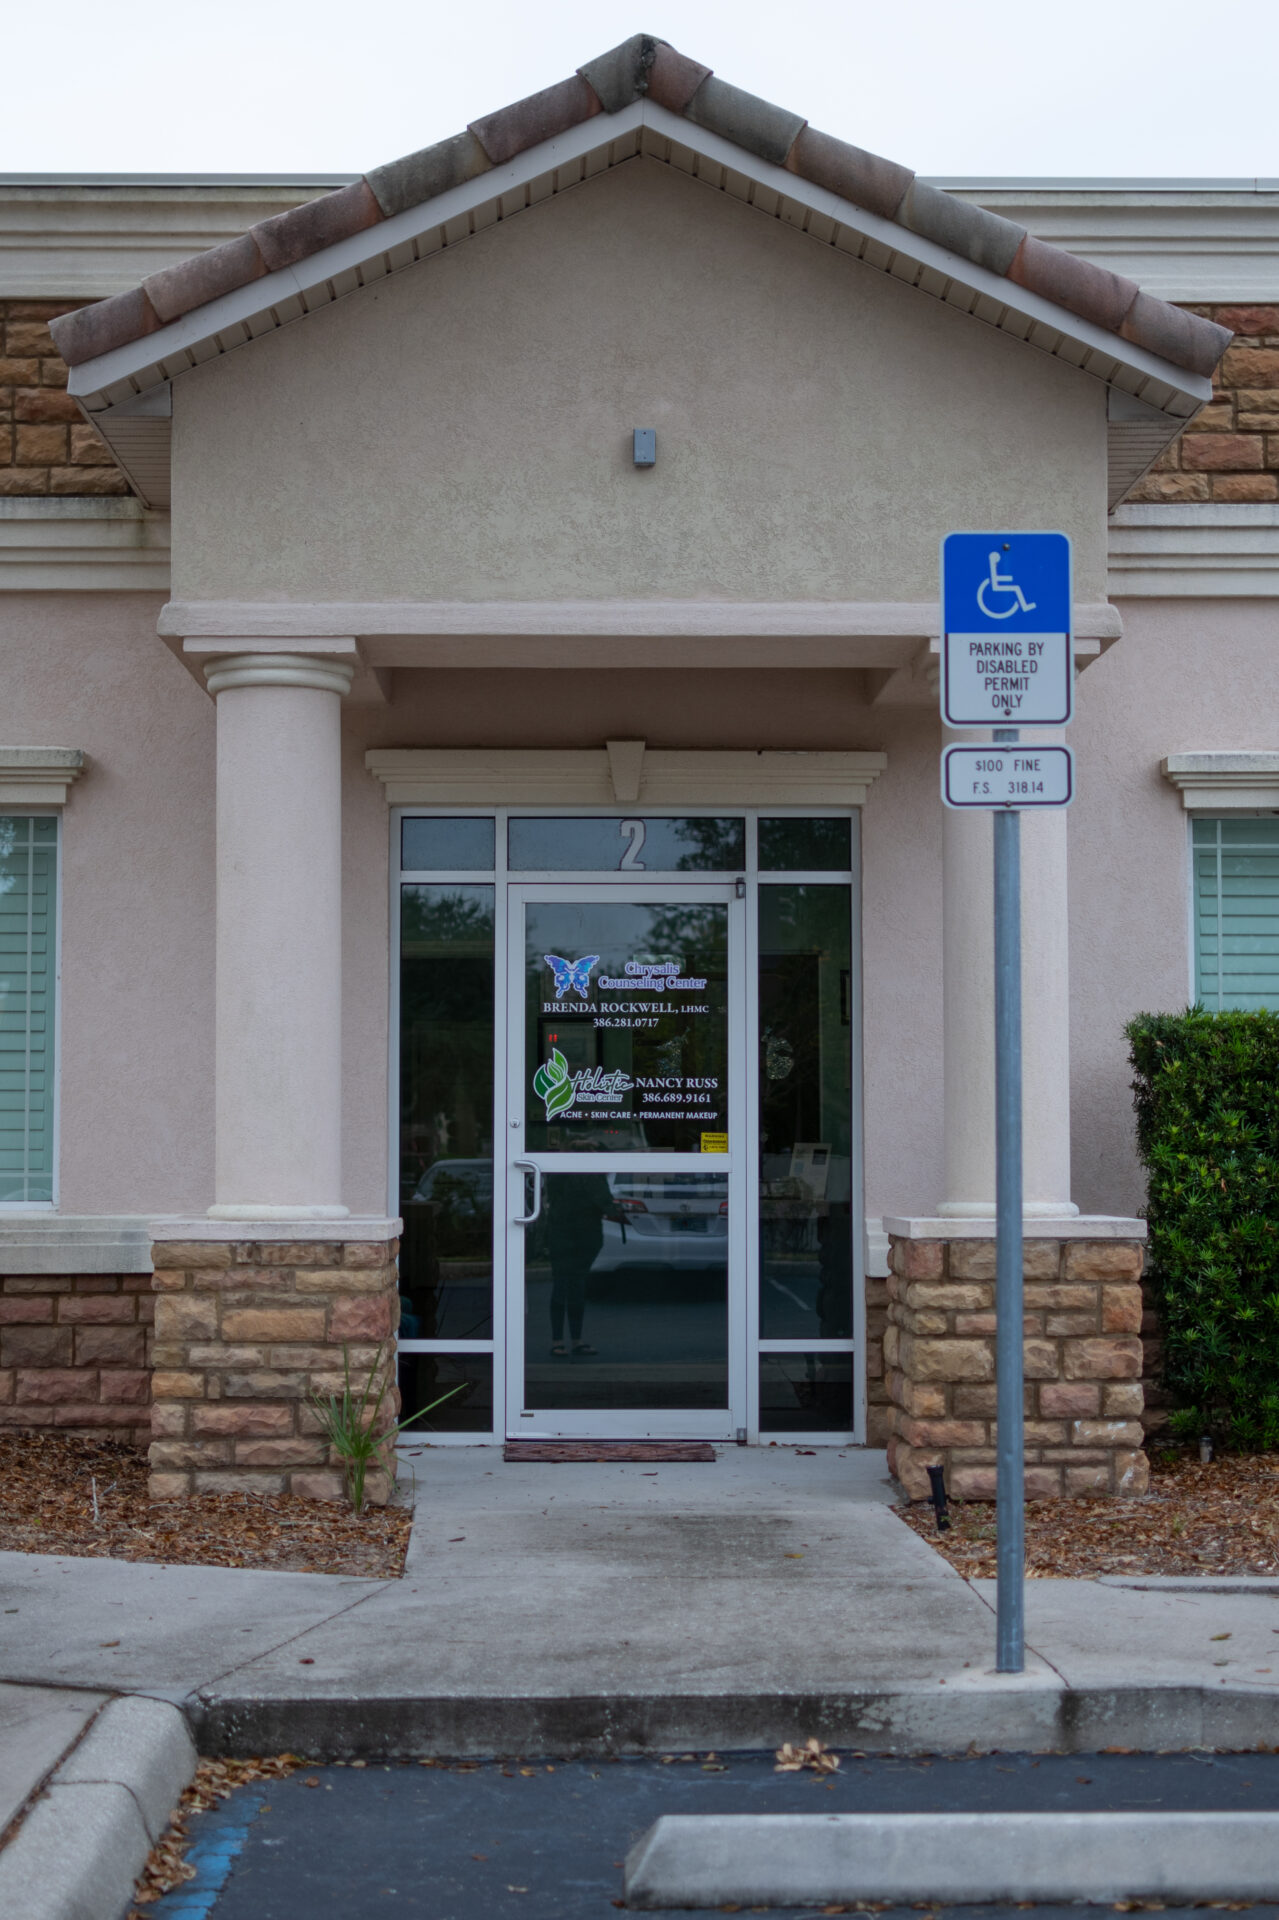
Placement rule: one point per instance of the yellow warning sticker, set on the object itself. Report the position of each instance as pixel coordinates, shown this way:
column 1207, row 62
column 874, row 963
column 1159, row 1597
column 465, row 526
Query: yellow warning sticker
column 714, row 1143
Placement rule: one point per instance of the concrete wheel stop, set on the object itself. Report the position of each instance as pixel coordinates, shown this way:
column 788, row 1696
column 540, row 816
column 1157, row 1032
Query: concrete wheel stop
column 789, row 1860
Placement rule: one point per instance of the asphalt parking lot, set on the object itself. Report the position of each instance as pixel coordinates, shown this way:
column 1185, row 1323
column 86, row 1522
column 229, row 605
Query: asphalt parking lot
column 537, row 1839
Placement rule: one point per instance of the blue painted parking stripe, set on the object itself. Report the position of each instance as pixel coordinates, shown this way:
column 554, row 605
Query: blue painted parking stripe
column 213, row 1858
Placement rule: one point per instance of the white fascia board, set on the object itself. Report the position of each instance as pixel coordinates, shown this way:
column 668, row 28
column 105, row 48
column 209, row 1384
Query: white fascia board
column 615, row 619
column 140, row 363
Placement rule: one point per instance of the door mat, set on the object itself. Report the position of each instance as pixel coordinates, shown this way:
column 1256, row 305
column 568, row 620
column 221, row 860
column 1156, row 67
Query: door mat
column 660, row 1452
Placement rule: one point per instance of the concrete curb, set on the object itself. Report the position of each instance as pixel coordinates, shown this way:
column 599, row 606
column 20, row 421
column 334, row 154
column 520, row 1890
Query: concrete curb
column 84, row 1842
column 1030, row 1713
column 790, row 1860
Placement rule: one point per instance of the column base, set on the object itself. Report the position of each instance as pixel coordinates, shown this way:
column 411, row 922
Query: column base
column 248, row 1326
column 1083, row 1356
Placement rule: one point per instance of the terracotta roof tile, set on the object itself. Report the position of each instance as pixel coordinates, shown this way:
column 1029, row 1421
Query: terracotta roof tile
column 192, row 283
column 673, row 78
column 987, row 239
column 289, row 237
column 620, row 76
column 1079, row 286
column 644, row 66
column 1187, row 339
column 420, row 176
column 745, row 119
column 89, row 331
column 541, row 116
column 865, row 179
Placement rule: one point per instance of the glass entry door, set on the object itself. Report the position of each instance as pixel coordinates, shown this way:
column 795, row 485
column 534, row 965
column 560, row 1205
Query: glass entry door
column 626, row 1150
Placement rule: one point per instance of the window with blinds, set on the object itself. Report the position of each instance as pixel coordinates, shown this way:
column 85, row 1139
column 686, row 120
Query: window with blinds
column 1236, row 902
column 28, row 962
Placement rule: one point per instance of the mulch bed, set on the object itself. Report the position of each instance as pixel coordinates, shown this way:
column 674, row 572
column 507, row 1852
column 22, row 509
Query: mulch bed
column 47, row 1489
column 1218, row 1518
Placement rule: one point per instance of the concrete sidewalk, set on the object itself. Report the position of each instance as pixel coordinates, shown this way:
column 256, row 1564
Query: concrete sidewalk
column 584, row 1608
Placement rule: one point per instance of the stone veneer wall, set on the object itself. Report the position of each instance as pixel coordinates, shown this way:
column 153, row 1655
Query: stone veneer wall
column 244, row 1331
column 879, row 1411
column 75, row 1354
column 1230, row 452
column 1083, row 1366
column 46, row 444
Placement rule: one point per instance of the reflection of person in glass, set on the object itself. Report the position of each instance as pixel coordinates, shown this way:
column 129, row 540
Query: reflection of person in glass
column 579, row 1204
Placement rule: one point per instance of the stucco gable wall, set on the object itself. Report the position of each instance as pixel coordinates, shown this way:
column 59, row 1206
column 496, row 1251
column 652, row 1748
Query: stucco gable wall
column 462, row 430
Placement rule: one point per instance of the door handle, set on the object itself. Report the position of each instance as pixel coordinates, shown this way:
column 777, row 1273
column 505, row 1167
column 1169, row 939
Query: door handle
column 527, row 1219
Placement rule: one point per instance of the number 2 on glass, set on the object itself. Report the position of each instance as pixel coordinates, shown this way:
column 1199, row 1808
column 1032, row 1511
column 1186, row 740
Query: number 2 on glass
column 636, row 833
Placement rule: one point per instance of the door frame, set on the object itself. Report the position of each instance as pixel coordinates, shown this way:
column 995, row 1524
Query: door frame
column 501, row 877
column 656, row 1423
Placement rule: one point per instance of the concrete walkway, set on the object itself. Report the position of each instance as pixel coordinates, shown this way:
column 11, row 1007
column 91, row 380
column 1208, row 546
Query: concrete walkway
column 585, row 1608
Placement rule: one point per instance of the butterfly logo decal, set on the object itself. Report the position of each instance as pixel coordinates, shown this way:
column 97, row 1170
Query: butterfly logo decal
column 571, row 975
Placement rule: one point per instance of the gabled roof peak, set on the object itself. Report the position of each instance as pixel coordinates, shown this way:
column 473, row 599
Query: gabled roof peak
column 645, row 67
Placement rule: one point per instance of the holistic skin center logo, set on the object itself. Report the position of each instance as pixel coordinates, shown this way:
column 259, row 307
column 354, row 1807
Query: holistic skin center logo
column 553, row 1084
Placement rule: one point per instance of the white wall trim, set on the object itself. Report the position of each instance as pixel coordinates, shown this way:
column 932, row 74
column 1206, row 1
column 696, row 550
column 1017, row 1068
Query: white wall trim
column 1213, row 782
column 53, row 1243
column 352, row 1227
column 430, row 776
column 38, row 776
column 1194, row 551
column 1079, row 1226
column 81, row 545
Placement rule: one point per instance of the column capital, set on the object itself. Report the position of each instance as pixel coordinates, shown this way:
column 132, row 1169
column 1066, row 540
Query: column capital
column 235, row 670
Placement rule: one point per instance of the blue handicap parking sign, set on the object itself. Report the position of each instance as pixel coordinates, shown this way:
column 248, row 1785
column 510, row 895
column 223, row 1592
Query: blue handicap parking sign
column 1006, row 630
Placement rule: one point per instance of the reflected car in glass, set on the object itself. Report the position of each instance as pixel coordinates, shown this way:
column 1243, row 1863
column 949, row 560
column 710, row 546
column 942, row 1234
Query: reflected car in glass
column 672, row 1220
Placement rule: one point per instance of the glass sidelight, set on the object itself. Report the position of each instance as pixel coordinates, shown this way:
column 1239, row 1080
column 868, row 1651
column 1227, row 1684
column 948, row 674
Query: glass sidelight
column 805, row 1155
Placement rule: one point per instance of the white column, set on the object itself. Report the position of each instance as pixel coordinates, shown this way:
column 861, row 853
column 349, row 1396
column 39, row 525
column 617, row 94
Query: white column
column 969, row 1016
column 278, row 1103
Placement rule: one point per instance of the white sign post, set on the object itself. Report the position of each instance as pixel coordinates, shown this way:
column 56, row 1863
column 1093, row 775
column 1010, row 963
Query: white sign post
column 1006, row 664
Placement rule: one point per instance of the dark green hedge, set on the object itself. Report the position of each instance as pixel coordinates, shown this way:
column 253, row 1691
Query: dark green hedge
column 1207, row 1099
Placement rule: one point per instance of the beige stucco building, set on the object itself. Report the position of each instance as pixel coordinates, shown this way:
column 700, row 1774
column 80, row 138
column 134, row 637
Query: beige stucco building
column 469, row 758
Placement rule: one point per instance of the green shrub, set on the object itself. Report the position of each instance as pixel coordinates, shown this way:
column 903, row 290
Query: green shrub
column 1207, row 1100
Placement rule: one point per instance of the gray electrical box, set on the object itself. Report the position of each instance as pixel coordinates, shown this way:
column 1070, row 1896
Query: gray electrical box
column 645, row 446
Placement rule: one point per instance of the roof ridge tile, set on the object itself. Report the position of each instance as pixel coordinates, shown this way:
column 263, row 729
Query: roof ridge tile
column 749, row 122
column 421, row 176
column 866, row 179
column 287, row 238
column 620, row 76
column 645, row 66
column 539, row 116
column 191, row 283
column 673, row 78
column 985, row 238
column 1092, row 292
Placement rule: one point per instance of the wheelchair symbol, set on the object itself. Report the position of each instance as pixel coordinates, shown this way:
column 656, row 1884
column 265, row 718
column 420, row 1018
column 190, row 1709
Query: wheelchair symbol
column 1002, row 583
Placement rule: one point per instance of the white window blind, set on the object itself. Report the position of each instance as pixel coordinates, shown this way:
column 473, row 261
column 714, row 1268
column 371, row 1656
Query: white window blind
column 28, row 961
column 1236, row 898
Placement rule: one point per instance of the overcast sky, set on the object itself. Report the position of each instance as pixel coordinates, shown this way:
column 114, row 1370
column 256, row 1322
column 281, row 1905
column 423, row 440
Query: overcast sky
column 996, row 87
